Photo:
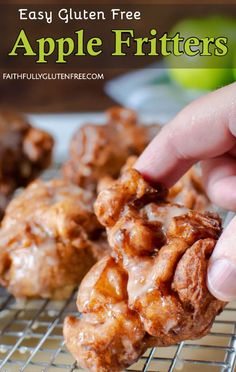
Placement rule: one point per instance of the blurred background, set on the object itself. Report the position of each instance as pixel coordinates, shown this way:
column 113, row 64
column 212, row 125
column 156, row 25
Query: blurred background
column 160, row 87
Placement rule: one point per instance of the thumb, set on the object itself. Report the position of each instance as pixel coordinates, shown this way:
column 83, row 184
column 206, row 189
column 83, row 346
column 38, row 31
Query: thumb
column 221, row 279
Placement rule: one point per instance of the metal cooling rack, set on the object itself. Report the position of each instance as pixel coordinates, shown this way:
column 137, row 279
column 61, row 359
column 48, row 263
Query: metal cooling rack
column 31, row 339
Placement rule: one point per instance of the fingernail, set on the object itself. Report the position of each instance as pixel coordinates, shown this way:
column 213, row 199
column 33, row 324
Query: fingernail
column 221, row 279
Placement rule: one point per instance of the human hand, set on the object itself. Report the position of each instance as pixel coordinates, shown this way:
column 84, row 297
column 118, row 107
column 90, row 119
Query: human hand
column 204, row 131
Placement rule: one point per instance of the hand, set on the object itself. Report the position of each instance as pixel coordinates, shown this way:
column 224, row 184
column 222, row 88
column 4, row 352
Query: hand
column 205, row 130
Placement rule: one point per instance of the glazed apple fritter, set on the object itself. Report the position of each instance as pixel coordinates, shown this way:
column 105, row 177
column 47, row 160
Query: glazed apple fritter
column 48, row 240
column 24, row 152
column 188, row 191
column 152, row 291
column 101, row 150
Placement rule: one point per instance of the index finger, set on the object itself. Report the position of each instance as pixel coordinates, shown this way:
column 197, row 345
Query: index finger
column 204, row 129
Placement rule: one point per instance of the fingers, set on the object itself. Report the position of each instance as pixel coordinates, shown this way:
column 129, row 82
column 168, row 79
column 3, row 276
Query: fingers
column 203, row 130
column 219, row 178
column 222, row 266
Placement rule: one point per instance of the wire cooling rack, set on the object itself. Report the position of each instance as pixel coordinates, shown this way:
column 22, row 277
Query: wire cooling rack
column 31, row 339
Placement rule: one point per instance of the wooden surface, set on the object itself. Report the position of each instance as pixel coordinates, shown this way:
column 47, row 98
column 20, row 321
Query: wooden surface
column 83, row 95
column 56, row 96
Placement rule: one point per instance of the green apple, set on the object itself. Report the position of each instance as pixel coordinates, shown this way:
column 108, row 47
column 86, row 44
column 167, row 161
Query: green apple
column 201, row 78
column 203, row 72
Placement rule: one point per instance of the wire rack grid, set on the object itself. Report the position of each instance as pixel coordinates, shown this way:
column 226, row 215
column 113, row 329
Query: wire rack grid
column 31, row 339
